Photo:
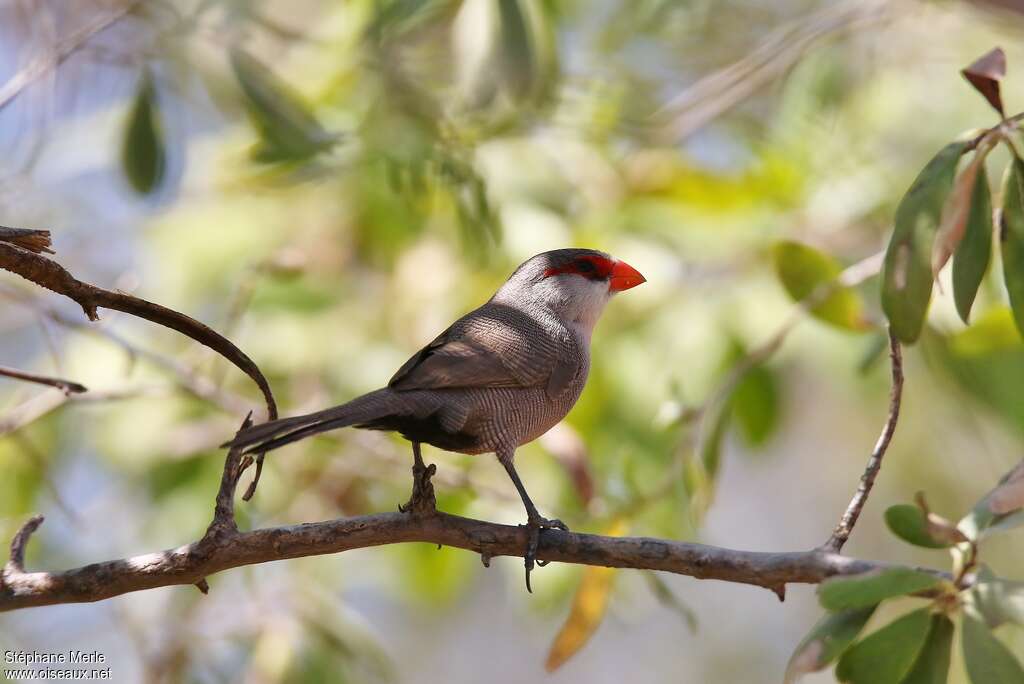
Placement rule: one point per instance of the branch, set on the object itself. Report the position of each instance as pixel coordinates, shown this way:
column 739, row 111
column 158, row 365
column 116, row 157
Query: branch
column 27, row 238
column 867, row 480
column 61, row 51
column 192, row 563
column 49, row 274
column 66, row 386
column 224, row 546
column 721, row 90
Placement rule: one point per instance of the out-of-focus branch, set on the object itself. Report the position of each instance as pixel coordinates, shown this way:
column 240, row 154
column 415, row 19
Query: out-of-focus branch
column 49, row 274
column 66, row 386
column 66, row 47
column 851, row 276
column 867, row 480
column 52, row 276
column 45, row 402
column 722, row 90
column 196, row 384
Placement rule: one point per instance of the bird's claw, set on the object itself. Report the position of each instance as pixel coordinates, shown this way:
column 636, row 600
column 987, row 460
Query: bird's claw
column 533, row 527
column 422, row 500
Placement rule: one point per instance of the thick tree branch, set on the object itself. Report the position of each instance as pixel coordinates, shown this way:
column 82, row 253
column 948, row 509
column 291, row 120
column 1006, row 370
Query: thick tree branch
column 224, row 546
column 192, row 563
column 845, row 527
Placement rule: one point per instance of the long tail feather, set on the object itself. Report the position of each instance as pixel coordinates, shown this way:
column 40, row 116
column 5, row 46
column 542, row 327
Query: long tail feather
column 276, row 433
column 296, row 435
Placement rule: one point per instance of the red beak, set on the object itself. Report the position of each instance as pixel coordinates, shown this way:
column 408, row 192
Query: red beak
column 624, row 277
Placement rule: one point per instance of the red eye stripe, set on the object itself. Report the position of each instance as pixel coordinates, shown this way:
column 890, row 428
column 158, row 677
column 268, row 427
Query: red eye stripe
column 588, row 266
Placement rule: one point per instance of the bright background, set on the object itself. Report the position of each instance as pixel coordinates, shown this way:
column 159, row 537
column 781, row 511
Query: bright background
column 684, row 137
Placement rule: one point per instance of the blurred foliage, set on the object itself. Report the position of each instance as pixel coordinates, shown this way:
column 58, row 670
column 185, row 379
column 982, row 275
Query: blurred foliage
column 330, row 184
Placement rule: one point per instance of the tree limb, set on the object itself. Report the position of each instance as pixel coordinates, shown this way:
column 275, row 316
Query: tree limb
column 192, row 563
column 224, row 546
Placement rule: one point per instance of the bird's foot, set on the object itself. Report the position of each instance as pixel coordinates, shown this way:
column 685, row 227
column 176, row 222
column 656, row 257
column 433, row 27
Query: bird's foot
column 533, row 527
column 422, row 501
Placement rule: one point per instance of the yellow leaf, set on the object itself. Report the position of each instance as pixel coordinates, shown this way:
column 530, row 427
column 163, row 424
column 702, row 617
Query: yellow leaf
column 587, row 610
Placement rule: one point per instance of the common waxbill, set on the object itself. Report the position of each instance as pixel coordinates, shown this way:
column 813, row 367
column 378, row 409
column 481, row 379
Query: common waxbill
column 497, row 378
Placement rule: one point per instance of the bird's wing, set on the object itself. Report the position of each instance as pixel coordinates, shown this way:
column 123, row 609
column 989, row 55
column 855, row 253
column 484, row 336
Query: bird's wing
column 494, row 346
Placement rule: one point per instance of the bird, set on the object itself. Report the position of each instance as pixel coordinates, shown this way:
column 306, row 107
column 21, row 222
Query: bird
column 497, row 378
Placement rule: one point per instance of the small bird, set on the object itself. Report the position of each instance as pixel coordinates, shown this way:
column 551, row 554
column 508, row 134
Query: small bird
column 497, row 378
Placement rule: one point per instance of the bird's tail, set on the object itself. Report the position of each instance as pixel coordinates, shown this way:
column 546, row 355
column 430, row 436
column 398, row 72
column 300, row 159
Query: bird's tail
column 276, row 433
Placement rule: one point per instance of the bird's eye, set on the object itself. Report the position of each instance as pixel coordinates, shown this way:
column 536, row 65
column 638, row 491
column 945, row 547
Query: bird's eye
column 584, row 266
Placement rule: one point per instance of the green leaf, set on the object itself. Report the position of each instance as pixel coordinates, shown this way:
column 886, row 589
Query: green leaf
column 987, row 659
column 517, row 54
column 909, row 524
column 755, row 405
column 997, row 600
column 970, row 260
column 505, row 47
column 288, row 130
column 907, row 271
column 754, row 398
column 142, row 150
column 932, row 665
column 710, row 441
column 986, row 360
column 868, row 589
column 803, row 270
column 886, row 656
column 826, row 641
column 1012, row 239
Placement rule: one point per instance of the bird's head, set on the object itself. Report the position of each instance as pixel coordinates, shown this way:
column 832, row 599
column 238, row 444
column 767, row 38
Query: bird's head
column 575, row 284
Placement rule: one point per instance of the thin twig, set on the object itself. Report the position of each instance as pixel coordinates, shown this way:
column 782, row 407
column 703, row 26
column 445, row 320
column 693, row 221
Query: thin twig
column 199, row 386
column 47, row 401
column 852, row 276
column 66, row 386
column 20, row 541
column 860, row 497
column 224, row 510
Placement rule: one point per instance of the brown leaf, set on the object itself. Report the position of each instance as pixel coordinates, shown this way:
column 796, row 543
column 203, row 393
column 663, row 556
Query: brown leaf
column 588, row 606
column 805, row 661
column 940, row 529
column 953, row 222
column 985, row 73
column 1009, row 495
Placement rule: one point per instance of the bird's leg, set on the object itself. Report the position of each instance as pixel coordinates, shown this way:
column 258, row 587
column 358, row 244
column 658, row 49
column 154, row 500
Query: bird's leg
column 534, row 522
column 422, row 500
